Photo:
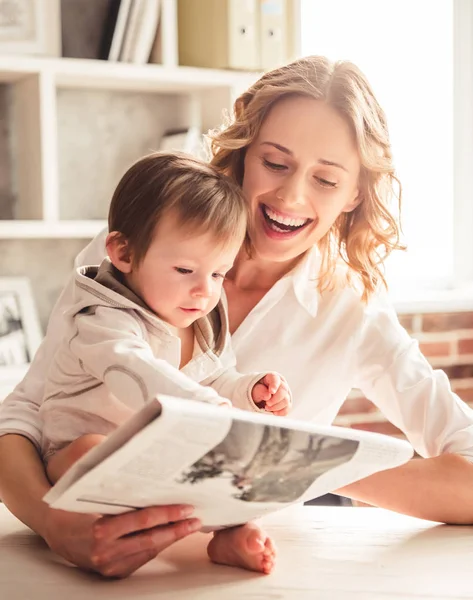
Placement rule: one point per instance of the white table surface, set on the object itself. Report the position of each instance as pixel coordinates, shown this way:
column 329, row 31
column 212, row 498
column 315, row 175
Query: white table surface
column 325, row 553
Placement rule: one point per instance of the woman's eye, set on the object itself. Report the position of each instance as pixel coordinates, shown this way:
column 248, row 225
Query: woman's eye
column 183, row 271
column 274, row 166
column 325, row 182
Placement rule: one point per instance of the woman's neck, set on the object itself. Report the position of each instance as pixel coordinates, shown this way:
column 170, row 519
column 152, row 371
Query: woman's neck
column 258, row 274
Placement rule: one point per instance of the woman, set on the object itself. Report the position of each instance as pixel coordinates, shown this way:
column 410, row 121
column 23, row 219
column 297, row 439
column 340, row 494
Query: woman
column 310, row 147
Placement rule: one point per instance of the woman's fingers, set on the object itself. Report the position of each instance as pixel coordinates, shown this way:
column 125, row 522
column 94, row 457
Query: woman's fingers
column 110, row 528
column 117, row 545
column 146, row 543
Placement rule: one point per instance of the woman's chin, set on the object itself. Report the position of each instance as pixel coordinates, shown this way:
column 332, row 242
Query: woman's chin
column 275, row 252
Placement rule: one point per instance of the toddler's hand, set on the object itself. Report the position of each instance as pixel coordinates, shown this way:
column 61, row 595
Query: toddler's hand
column 272, row 393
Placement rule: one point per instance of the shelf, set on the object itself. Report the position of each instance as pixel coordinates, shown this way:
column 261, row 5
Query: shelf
column 50, row 229
column 43, row 91
column 100, row 74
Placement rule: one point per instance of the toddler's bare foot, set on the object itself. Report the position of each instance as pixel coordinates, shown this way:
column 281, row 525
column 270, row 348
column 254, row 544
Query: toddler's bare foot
column 247, row 546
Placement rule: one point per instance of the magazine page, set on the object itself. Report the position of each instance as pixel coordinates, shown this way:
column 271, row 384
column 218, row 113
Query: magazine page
column 122, row 435
column 233, row 466
column 375, row 452
column 132, row 476
column 261, row 467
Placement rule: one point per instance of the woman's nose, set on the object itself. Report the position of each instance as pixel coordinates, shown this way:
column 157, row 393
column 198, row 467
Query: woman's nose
column 295, row 190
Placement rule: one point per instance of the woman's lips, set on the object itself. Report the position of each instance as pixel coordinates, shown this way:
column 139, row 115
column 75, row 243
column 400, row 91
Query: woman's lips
column 286, row 220
column 273, row 231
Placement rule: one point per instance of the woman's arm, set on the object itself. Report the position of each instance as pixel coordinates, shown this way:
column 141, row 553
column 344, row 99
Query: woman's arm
column 437, row 489
column 393, row 373
column 113, row 546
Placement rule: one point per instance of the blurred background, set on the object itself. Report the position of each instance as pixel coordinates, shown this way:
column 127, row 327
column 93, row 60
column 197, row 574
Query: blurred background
column 88, row 86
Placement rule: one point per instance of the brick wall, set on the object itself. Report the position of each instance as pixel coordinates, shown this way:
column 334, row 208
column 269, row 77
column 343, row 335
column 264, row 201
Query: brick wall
column 446, row 339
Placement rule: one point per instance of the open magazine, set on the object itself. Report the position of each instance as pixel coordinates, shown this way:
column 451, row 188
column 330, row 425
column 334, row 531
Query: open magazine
column 232, row 465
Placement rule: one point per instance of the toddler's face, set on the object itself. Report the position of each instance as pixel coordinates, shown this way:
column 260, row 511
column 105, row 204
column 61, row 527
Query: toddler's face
column 181, row 275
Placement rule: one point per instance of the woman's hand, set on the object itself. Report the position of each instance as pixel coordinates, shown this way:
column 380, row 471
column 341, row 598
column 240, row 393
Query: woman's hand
column 116, row 546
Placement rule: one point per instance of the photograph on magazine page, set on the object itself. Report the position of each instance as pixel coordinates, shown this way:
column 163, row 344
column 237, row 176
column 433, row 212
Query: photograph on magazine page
column 269, row 464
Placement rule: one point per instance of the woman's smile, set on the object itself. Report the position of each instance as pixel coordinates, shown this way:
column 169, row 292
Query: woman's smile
column 279, row 225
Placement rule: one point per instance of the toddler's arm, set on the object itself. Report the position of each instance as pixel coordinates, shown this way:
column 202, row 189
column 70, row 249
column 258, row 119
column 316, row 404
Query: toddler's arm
column 257, row 392
column 112, row 347
column 108, row 348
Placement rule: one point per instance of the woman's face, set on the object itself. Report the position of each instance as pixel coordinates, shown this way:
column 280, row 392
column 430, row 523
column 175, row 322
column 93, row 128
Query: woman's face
column 301, row 173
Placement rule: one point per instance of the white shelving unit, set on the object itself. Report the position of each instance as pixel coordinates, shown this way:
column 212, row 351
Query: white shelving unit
column 47, row 229
column 105, row 75
column 36, row 83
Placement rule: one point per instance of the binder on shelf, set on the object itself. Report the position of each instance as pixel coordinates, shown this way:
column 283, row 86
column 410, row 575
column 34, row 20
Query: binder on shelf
column 273, row 23
column 219, row 34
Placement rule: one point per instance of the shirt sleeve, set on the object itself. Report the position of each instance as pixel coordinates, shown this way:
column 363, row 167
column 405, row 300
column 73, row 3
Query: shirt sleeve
column 233, row 385
column 112, row 347
column 19, row 410
column 394, row 374
column 237, row 387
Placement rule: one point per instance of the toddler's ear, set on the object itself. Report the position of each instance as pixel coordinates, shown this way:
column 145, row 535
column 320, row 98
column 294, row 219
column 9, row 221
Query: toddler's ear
column 119, row 252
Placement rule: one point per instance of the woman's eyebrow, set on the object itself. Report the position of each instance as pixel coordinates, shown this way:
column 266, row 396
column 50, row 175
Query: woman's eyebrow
column 278, row 147
column 322, row 161
column 330, row 163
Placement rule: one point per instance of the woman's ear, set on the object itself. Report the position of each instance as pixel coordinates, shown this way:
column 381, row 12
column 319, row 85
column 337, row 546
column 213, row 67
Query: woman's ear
column 119, row 252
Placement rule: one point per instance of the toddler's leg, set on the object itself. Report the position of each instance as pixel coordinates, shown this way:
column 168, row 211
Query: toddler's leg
column 247, row 546
column 65, row 458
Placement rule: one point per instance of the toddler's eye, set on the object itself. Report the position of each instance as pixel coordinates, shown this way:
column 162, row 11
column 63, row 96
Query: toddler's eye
column 218, row 275
column 183, row 271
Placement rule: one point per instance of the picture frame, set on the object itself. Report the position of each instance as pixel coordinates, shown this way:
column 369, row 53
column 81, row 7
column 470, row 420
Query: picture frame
column 20, row 331
column 30, row 27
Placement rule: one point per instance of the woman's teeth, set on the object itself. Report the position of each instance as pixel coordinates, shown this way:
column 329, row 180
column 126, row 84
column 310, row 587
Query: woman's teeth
column 281, row 223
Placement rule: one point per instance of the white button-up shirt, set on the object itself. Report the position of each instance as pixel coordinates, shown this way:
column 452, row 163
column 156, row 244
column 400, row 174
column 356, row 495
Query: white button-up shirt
column 324, row 345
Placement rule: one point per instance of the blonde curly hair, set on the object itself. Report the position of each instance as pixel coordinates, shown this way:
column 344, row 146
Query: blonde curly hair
column 364, row 237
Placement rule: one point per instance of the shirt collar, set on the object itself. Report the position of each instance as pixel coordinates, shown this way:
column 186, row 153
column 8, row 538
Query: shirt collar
column 304, row 280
